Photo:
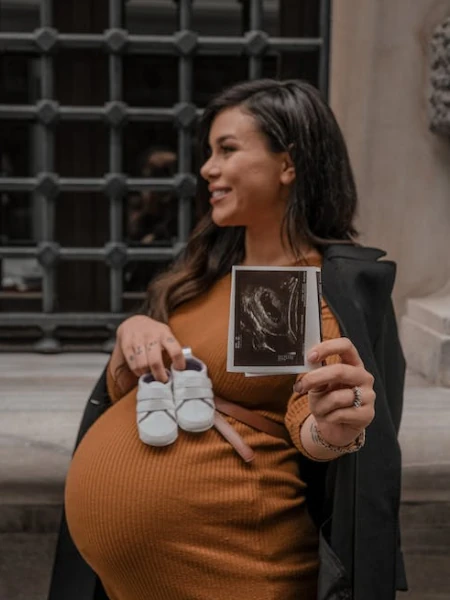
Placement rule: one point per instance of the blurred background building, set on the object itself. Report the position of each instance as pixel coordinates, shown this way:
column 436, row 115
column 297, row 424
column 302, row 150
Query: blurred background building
column 99, row 101
column 98, row 105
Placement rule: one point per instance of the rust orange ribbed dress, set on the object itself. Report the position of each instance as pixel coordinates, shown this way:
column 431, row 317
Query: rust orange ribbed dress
column 192, row 521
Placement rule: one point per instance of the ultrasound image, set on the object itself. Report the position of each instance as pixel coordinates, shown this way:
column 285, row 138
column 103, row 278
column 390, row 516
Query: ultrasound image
column 269, row 318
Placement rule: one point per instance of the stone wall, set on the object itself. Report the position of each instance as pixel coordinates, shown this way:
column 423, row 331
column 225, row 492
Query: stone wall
column 380, row 86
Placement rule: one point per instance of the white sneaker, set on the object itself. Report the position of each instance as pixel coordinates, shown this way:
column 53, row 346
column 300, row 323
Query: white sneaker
column 156, row 421
column 193, row 395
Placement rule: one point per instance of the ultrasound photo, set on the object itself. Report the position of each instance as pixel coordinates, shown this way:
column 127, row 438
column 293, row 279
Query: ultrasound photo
column 268, row 319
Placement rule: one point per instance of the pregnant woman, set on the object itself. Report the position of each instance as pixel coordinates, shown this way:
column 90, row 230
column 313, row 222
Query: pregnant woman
column 161, row 509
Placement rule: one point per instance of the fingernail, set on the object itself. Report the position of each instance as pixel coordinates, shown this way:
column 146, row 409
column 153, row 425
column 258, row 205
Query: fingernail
column 298, row 387
column 313, row 356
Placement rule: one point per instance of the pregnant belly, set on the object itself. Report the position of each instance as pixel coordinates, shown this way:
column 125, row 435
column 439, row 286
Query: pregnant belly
column 137, row 513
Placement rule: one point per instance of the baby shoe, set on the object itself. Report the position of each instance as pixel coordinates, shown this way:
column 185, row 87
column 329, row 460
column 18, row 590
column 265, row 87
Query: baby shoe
column 156, row 421
column 193, row 395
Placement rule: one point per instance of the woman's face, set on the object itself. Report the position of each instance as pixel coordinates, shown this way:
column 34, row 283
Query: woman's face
column 248, row 184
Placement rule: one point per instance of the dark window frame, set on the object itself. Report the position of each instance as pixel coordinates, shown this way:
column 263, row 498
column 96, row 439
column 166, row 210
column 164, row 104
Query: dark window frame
column 47, row 184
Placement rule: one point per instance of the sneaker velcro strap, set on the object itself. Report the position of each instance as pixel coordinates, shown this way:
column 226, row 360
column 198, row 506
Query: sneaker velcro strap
column 148, row 405
column 193, row 381
column 192, row 393
column 154, row 391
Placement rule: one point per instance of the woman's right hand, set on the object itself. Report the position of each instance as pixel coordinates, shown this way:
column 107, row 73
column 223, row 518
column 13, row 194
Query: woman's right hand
column 142, row 341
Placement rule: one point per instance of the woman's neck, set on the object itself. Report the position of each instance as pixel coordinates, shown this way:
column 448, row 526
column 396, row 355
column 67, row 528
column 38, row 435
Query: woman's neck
column 265, row 248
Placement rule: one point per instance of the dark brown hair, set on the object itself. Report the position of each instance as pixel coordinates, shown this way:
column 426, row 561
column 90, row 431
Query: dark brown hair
column 321, row 209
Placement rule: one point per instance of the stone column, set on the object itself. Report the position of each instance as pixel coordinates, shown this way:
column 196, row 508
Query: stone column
column 380, row 88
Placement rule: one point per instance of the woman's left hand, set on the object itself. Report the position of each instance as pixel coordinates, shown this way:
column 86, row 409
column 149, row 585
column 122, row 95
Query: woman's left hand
column 333, row 392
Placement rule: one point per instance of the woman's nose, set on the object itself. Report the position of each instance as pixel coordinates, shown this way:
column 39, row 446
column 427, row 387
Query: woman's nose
column 209, row 170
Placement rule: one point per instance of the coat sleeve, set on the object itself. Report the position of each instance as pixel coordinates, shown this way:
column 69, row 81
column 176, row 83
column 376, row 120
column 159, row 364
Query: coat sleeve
column 392, row 366
column 72, row 578
column 391, row 363
column 119, row 384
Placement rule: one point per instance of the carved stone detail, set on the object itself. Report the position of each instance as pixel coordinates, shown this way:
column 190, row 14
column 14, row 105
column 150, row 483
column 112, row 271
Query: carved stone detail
column 440, row 80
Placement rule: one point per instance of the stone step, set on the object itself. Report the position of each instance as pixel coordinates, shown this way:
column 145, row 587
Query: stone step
column 425, row 335
column 26, row 557
column 26, row 561
column 41, row 400
column 432, row 311
column 427, row 351
column 428, row 576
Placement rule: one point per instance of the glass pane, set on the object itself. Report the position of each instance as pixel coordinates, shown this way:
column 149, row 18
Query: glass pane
column 19, row 152
column 82, row 286
column 213, row 73
column 271, row 17
column 81, row 78
column 19, row 16
column 300, row 65
column 299, row 19
column 21, row 278
column 140, row 139
column 291, row 18
column 136, row 277
column 17, row 210
column 220, row 18
column 132, row 302
column 18, row 79
column 151, row 17
column 151, row 81
column 270, row 67
column 73, row 16
column 81, row 149
column 152, row 216
column 82, row 220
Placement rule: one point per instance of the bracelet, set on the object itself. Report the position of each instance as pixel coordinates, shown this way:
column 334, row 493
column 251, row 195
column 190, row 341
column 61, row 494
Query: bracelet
column 354, row 446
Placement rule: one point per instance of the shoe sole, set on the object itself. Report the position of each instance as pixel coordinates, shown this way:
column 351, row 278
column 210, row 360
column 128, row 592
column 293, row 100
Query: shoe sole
column 193, row 429
column 158, row 442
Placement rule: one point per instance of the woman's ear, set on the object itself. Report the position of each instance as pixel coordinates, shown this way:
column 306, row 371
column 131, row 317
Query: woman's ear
column 287, row 175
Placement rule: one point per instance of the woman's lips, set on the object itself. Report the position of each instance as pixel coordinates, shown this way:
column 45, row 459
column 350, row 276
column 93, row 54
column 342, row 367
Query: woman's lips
column 217, row 196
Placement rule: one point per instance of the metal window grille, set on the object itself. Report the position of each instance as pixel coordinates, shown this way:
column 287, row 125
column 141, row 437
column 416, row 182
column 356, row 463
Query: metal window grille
column 185, row 44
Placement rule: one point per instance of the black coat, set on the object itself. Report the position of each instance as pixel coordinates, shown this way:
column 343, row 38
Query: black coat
column 355, row 498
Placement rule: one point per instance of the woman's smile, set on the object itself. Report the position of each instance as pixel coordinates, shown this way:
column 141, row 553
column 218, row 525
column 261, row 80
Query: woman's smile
column 218, row 194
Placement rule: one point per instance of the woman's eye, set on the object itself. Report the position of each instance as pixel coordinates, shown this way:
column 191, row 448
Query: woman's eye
column 227, row 149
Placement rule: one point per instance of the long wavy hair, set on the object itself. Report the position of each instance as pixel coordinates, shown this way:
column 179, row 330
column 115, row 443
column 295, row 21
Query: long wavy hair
column 322, row 204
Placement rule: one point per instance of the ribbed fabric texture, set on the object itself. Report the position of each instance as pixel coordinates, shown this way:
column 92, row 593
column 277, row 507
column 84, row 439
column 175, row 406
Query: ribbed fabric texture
column 192, row 521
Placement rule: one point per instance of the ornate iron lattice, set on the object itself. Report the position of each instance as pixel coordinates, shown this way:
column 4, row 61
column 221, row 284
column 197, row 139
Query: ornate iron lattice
column 44, row 43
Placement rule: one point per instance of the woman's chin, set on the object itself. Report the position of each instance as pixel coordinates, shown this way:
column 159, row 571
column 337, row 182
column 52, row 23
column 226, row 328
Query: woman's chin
column 221, row 219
